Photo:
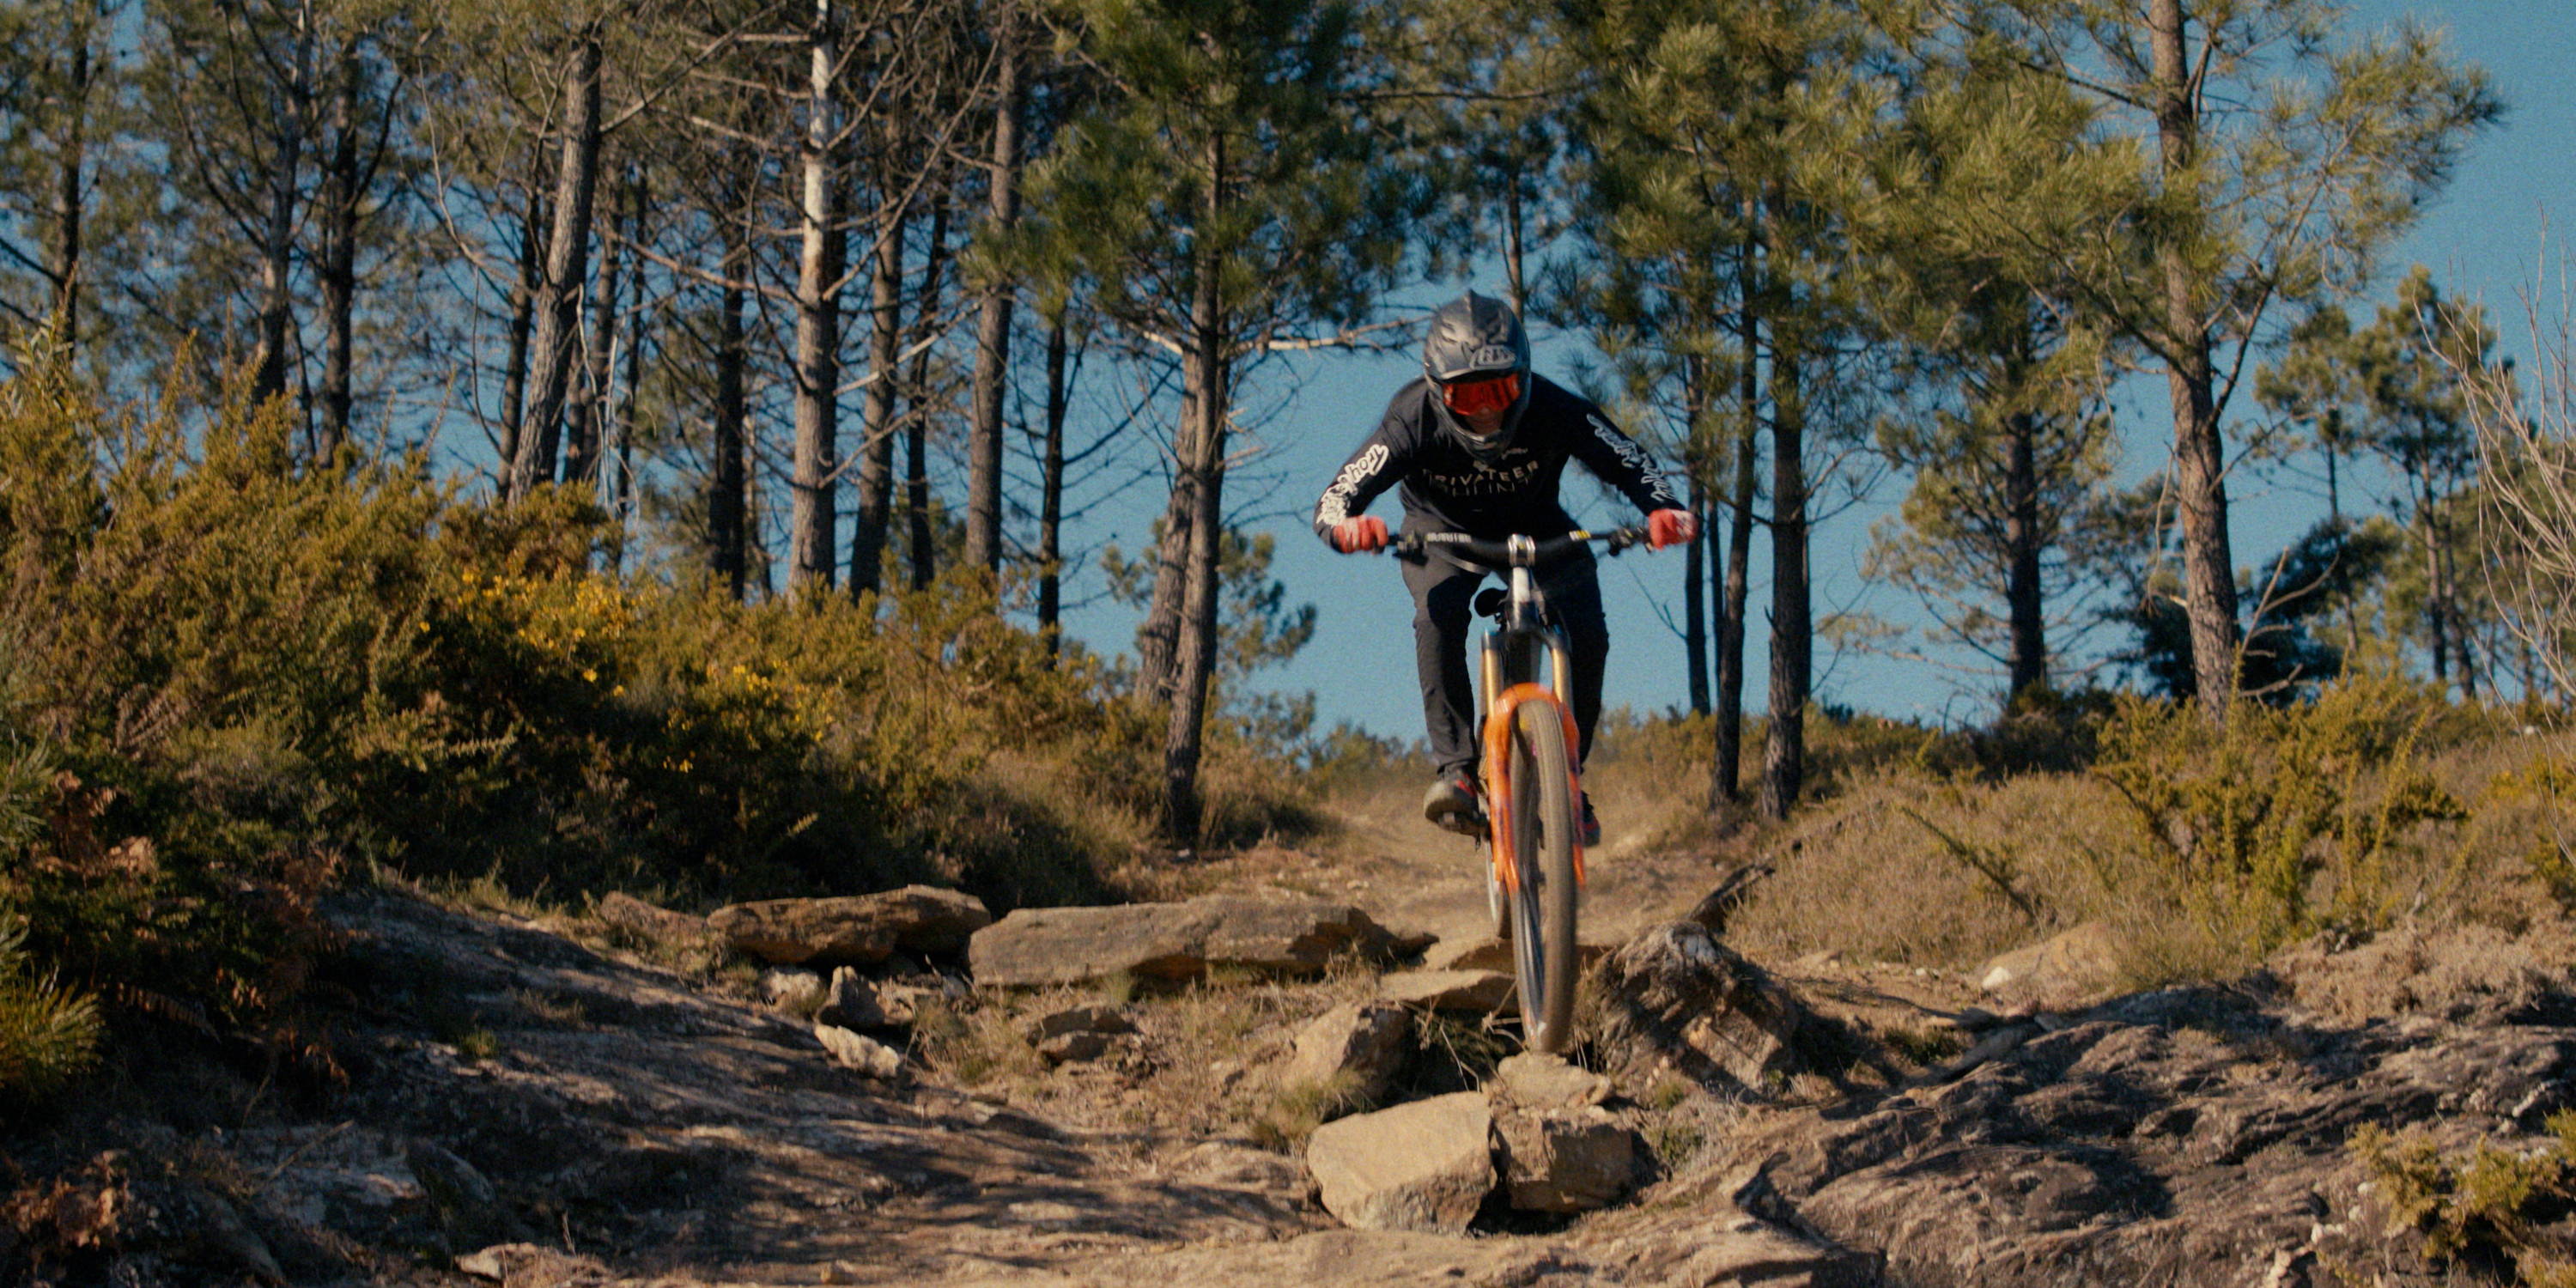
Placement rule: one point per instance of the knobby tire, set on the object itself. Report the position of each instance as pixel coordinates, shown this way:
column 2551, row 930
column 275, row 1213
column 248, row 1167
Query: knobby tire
column 1543, row 825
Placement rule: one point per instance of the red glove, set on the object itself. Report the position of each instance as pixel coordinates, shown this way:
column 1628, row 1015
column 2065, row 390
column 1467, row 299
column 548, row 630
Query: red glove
column 1670, row 528
column 1351, row 536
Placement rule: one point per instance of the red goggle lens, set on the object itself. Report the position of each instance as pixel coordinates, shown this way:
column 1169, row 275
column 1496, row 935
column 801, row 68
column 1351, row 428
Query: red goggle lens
column 1482, row 396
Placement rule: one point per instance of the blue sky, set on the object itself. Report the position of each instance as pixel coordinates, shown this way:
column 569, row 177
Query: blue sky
column 2486, row 238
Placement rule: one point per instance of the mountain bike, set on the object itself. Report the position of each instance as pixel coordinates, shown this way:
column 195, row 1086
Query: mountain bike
column 1532, row 798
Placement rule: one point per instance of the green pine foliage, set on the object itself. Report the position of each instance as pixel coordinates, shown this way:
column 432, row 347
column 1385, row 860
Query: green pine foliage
column 2486, row 1205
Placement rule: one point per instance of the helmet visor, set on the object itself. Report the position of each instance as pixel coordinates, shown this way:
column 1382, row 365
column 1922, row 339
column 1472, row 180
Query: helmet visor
column 1482, row 395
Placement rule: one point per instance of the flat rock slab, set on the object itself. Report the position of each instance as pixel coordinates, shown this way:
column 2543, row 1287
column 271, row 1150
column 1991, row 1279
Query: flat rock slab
column 1482, row 991
column 853, row 930
column 1037, row 947
column 1424, row 1166
column 1492, row 954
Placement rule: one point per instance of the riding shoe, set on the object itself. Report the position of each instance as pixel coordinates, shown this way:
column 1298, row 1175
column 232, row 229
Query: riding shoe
column 1591, row 828
column 1451, row 803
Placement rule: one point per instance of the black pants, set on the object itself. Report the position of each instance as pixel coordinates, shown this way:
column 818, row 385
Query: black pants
column 1443, row 606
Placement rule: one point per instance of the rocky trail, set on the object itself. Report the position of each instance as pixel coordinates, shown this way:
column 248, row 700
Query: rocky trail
column 1111, row 1096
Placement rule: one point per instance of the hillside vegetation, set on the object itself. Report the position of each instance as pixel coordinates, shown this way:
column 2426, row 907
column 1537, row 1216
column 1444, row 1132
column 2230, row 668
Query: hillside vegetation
column 231, row 681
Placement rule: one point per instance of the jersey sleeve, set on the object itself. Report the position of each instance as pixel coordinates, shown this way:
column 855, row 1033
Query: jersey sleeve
column 1615, row 459
column 1379, row 464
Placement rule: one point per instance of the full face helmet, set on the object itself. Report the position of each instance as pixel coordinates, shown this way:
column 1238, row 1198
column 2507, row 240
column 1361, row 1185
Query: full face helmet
column 1477, row 358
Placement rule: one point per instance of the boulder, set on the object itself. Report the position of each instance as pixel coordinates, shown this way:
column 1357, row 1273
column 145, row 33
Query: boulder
column 860, row 1052
column 1566, row 1160
column 2068, row 971
column 854, row 930
column 1036, row 947
column 1361, row 1042
column 1676, row 994
column 1535, row 1080
column 1483, row 991
column 1425, row 1166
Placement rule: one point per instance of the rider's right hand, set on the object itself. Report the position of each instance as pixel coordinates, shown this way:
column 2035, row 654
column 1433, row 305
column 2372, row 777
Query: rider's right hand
column 1365, row 533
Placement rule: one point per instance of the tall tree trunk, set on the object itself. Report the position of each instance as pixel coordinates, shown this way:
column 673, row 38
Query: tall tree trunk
column 71, row 190
column 622, row 489
column 876, row 461
column 523, row 305
column 1727, row 771
column 1204, row 379
column 290, row 105
column 920, row 536
column 550, row 355
column 1784, row 752
column 589, row 429
column 1051, row 493
column 1694, row 590
column 1158, row 637
column 2022, row 540
column 727, row 520
column 2200, row 464
column 814, row 518
column 340, row 258
column 993, row 334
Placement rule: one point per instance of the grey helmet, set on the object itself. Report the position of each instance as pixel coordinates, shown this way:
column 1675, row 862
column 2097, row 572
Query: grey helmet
column 1472, row 336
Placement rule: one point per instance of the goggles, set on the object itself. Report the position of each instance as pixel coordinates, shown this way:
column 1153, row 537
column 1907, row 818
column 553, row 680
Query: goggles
column 1482, row 395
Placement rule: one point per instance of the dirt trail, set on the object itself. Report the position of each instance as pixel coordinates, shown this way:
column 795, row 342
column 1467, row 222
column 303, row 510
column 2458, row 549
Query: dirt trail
column 1413, row 877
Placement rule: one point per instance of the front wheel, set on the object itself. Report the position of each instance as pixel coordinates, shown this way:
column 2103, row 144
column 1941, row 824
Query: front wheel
column 1543, row 908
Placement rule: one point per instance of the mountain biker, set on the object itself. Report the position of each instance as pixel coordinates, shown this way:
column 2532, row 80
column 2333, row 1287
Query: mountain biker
column 1478, row 444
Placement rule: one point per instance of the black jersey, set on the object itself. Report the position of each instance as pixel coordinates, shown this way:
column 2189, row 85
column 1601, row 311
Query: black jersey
column 1446, row 489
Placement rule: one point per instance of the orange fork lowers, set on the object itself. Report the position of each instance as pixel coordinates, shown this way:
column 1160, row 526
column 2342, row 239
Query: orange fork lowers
column 1498, row 787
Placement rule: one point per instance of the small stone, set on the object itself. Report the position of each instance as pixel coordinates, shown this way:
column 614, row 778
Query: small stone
column 1363, row 1042
column 1560, row 1162
column 1079, row 1019
column 1533, row 1080
column 859, row 1052
column 790, row 989
column 1081, row 1044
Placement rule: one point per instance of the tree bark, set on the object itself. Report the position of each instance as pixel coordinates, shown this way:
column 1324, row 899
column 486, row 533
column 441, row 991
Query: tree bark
column 1203, row 464
column 71, row 191
column 290, row 104
column 1784, row 752
column 920, row 536
column 727, row 520
column 993, row 334
column 1158, row 637
column 621, row 492
column 550, row 358
column 813, row 519
column 592, row 411
column 523, row 304
column 1727, row 771
column 1694, row 590
column 2022, row 542
column 876, row 461
column 1051, row 494
column 2200, row 465
column 340, row 260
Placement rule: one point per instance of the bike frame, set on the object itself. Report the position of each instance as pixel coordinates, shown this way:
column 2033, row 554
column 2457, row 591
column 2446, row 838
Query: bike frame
column 1515, row 654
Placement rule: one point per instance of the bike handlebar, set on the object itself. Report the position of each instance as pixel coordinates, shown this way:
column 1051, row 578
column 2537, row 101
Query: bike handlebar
column 1532, row 552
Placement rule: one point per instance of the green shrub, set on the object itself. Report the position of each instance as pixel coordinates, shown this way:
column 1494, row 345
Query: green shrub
column 2485, row 1204
column 2253, row 818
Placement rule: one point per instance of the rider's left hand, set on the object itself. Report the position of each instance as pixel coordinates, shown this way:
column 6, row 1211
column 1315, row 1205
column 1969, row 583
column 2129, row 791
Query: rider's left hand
column 1670, row 528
